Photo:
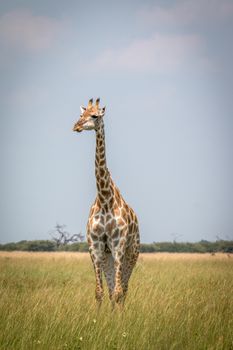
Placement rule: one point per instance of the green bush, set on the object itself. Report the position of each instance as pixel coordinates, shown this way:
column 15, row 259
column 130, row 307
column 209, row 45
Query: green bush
column 171, row 247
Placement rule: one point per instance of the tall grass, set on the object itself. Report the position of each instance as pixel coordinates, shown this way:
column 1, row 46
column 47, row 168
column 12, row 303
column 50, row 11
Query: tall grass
column 175, row 301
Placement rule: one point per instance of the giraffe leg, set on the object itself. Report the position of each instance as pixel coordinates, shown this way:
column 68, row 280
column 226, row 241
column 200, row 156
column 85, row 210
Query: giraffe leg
column 118, row 264
column 128, row 266
column 99, row 292
column 118, row 290
column 109, row 272
column 130, row 259
column 98, row 263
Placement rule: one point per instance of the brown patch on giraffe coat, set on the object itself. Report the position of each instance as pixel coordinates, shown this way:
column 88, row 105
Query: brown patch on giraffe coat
column 131, row 227
column 115, row 234
column 97, row 229
column 126, row 207
column 97, row 205
column 124, row 214
column 102, row 220
column 106, row 194
column 91, row 219
column 94, row 237
column 116, row 211
column 102, row 172
column 120, row 253
column 101, row 197
column 111, row 202
column 99, row 141
column 102, row 183
column 118, row 198
column 120, row 222
column 122, row 243
column 131, row 214
column 110, row 226
column 115, row 242
column 123, row 232
column 96, row 245
column 134, row 216
column 102, row 157
column 108, row 217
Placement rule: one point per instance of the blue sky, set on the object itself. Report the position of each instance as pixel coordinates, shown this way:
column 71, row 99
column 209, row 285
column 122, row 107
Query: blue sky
column 164, row 71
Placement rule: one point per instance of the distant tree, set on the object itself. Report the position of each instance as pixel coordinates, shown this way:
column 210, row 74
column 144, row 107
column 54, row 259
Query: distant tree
column 62, row 237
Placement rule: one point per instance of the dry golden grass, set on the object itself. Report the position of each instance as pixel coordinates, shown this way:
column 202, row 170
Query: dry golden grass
column 143, row 256
column 175, row 301
column 44, row 255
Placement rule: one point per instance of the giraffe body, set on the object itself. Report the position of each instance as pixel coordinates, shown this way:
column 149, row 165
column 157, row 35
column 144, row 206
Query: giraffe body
column 113, row 238
column 112, row 228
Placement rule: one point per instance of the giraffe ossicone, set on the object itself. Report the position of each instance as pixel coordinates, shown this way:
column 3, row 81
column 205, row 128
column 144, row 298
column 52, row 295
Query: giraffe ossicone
column 112, row 228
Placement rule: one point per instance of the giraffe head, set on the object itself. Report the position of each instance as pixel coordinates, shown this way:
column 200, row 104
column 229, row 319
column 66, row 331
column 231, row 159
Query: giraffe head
column 90, row 117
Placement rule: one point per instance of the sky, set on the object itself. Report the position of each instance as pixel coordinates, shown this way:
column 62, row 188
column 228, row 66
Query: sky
column 164, row 71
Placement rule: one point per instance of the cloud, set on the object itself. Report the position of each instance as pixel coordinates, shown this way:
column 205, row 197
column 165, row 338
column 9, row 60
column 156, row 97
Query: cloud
column 188, row 12
column 22, row 29
column 160, row 54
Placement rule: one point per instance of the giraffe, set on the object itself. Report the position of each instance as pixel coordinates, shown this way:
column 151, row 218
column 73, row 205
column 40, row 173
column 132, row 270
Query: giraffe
column 112, row 228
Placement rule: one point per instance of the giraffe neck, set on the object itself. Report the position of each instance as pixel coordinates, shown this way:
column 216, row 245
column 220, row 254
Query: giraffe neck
column 103, row 178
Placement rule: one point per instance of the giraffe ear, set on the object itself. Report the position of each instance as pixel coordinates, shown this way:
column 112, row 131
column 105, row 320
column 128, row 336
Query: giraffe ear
column 82, row 109
column 102, row 111
column 90, row 103
column 97, row 102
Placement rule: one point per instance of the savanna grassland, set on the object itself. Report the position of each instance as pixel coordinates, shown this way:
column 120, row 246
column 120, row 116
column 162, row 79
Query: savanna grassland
column 175, row 301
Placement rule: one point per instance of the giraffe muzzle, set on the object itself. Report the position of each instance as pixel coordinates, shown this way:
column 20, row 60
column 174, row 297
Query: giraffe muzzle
column 78, row 128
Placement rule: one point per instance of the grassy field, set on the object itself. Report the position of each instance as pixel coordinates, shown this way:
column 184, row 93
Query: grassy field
column 175, row 301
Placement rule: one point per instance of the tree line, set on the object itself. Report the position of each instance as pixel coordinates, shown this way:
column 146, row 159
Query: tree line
column 203, row 246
